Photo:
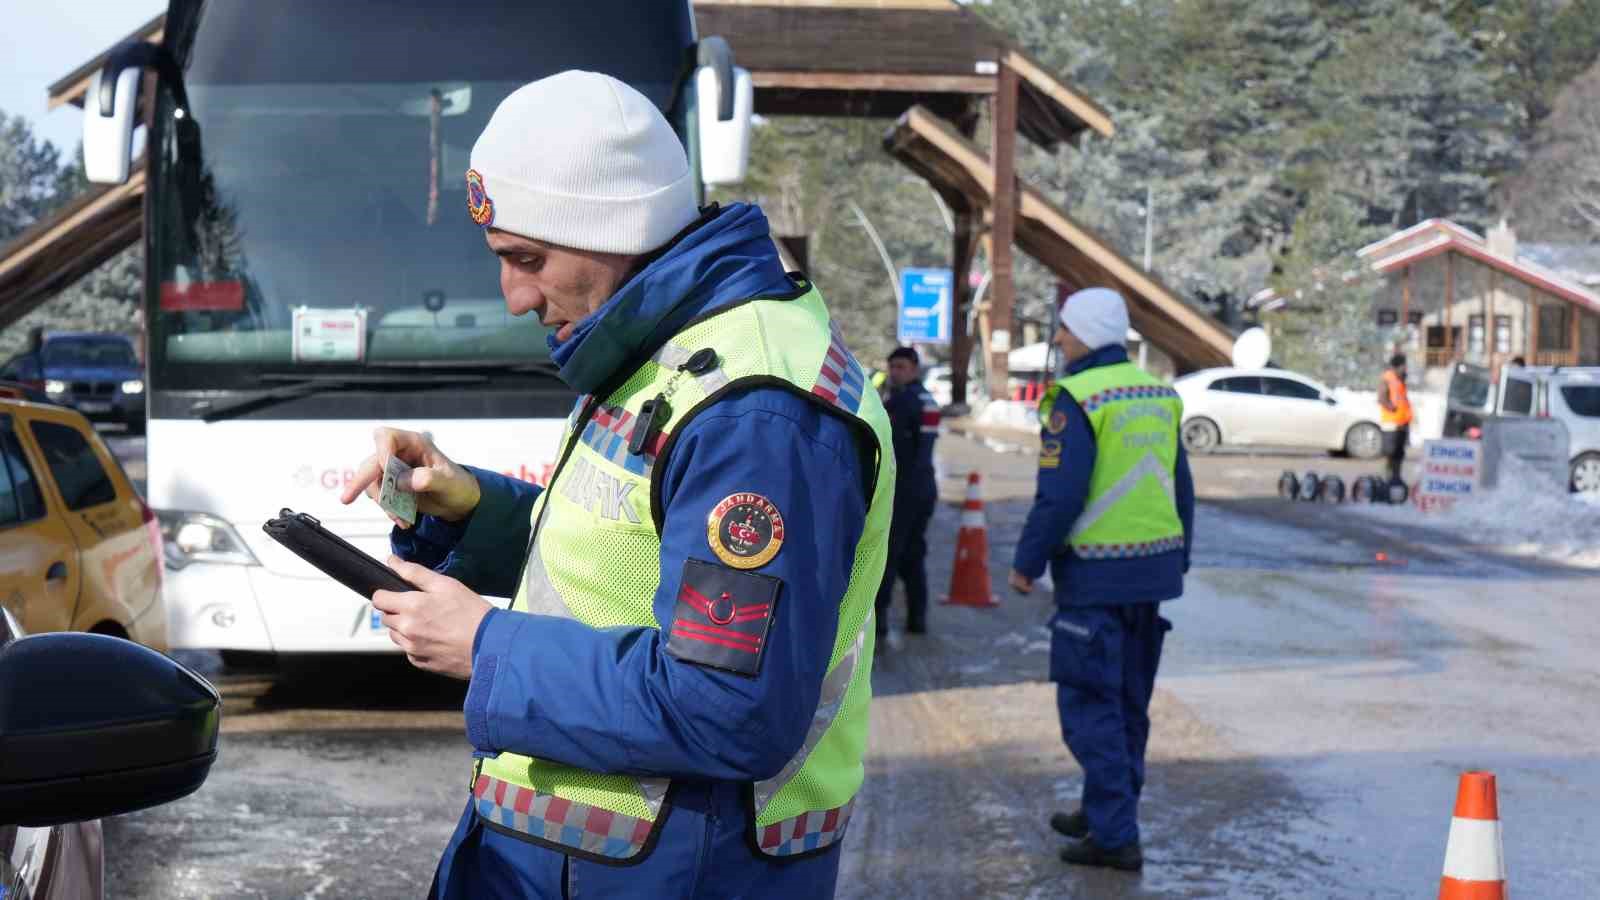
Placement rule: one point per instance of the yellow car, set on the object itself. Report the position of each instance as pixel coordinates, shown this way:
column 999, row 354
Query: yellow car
column 79, row 549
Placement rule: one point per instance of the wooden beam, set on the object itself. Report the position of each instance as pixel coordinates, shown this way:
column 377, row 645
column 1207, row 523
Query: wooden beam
column 962, row 252
column 1449, row 303
column 1530, row 331
column 1488, row 318
column 1087, row 111
column 1002, row 286
column 1405, row 306
column 72, row 87
column 933, row 148
column 874, row 81
column 1573, row 312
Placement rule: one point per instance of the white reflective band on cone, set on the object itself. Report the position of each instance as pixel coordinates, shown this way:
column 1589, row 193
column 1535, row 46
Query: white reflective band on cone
column 972, row 519
column 1475, row 851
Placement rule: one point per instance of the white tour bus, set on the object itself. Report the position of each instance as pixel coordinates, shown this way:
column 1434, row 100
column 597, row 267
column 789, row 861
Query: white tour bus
column 312, row 272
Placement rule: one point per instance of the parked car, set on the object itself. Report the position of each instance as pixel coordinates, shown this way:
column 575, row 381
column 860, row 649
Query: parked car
column 1276, row 408
column 99, row 375
column 1571, row 394
column 82, row 550
column 91, row 726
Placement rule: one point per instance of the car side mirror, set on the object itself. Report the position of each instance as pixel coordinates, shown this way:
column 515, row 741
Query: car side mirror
column 1330, row 400
column 94, row 726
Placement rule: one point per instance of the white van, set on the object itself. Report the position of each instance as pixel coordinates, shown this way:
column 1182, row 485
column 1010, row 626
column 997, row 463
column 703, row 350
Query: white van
column 1568, row 393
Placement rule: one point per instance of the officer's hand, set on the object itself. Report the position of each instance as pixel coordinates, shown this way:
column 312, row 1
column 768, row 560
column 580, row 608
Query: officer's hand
column 443, row 488
column 434, row 625
column 1020, row 583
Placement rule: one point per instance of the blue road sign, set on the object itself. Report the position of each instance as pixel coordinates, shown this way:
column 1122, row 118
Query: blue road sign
column 924, row 306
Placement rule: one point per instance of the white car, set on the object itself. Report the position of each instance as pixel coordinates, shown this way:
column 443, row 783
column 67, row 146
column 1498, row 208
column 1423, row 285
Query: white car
column 1570, row 394
column 1275, row 408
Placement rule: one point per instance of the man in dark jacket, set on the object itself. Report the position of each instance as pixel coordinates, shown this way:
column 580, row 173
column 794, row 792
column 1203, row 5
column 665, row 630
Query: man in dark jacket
column 914, row 421
column 1114, row 519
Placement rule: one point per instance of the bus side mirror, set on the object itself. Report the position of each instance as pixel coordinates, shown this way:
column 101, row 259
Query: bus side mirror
column 111, row 108
column 725, row 100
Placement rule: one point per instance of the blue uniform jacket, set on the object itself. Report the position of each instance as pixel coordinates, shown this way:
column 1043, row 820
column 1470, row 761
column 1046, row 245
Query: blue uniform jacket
column 911, row 409
column 1062, row 492
column 612, row 700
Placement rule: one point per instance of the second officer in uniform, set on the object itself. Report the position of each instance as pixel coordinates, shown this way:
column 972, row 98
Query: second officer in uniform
column 1113, row 519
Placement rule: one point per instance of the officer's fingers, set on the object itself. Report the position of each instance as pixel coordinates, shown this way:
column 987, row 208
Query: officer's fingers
column 389, row 602
column 423, row 577
column 366, row 476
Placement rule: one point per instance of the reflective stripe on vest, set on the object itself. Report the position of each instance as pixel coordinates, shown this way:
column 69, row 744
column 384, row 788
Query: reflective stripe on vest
column 595, row 558
column 1132, row 509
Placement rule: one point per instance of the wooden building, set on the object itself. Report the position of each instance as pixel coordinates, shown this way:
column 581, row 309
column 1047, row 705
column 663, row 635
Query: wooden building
column 1462, row 296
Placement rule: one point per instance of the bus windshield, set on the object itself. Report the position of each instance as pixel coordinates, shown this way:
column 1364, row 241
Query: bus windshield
column 322, row 226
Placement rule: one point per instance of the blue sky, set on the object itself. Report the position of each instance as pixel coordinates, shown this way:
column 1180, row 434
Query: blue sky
column 45, row 39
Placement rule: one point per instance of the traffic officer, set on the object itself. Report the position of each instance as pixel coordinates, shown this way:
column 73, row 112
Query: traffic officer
column 1394, row 410
column 914, row 422
column 1113, row 518
column 675, row 703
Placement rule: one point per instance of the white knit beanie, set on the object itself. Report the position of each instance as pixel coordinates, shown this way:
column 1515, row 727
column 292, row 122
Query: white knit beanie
column 1096, row 316
column 581, row 160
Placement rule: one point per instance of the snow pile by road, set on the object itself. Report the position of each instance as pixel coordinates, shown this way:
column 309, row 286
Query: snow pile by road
column 1515, row 518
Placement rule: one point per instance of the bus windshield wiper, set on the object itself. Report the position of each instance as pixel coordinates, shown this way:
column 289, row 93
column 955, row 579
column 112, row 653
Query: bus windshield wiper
column 294, row 386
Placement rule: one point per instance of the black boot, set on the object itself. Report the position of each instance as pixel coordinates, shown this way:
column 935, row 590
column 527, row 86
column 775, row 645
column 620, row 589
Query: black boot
column 1087, row 853
column 1073, row 824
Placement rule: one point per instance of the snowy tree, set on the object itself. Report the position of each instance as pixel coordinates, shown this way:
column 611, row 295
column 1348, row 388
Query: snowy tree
column 32, row 179
column 1328, row 328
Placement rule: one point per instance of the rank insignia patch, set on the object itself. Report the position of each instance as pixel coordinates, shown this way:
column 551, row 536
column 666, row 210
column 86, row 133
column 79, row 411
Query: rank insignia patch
column 745, row 531
column 722, row 617
column 478, row 202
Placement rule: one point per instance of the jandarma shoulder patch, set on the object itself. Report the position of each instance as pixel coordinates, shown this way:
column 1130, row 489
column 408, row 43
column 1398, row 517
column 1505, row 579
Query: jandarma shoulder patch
column 745, row 530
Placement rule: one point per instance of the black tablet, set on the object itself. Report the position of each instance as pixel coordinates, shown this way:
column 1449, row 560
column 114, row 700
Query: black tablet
column 332, row 554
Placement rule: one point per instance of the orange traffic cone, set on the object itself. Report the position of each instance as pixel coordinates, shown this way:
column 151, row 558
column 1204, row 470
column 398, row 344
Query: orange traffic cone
column 1474, row 860
column 969, row 582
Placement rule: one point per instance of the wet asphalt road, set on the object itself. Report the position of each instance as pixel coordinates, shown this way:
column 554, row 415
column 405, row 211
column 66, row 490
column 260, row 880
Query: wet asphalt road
column 1314, row 707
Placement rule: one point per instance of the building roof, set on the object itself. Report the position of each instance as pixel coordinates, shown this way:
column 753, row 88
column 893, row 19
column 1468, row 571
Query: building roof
column 1443, row 226
column 962, row 173
column 1522, row 269
column 1575, row 262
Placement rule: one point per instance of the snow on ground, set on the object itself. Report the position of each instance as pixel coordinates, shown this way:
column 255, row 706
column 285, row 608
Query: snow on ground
column 1514, row 518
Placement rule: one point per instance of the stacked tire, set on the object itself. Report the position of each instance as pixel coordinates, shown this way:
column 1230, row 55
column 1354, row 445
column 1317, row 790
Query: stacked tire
column 1311, row 487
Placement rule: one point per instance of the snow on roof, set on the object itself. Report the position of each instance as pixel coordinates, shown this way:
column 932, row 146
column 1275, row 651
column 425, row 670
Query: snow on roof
column 1444, row 225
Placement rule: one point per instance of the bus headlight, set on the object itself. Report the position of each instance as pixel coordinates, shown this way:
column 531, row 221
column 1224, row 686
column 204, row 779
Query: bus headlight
column 190, row 537
column 133, row 386
column 55, row 386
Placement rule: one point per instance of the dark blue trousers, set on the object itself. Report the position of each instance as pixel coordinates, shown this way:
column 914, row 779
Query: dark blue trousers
column 908, row 555
column 1103, row 660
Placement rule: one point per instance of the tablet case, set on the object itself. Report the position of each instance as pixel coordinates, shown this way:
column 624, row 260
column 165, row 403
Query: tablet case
column 342, row 562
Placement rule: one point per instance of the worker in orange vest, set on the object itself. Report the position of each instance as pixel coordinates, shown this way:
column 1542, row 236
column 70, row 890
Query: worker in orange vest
column 1396, row 414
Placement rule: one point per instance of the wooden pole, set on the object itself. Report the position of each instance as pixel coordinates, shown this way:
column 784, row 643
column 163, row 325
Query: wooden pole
column 1002, row 287
column 1405, row 308
column 1572, row 317
column 1449, row 301
column 1533, row 328
column 1489, row 342
column 960, row 300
